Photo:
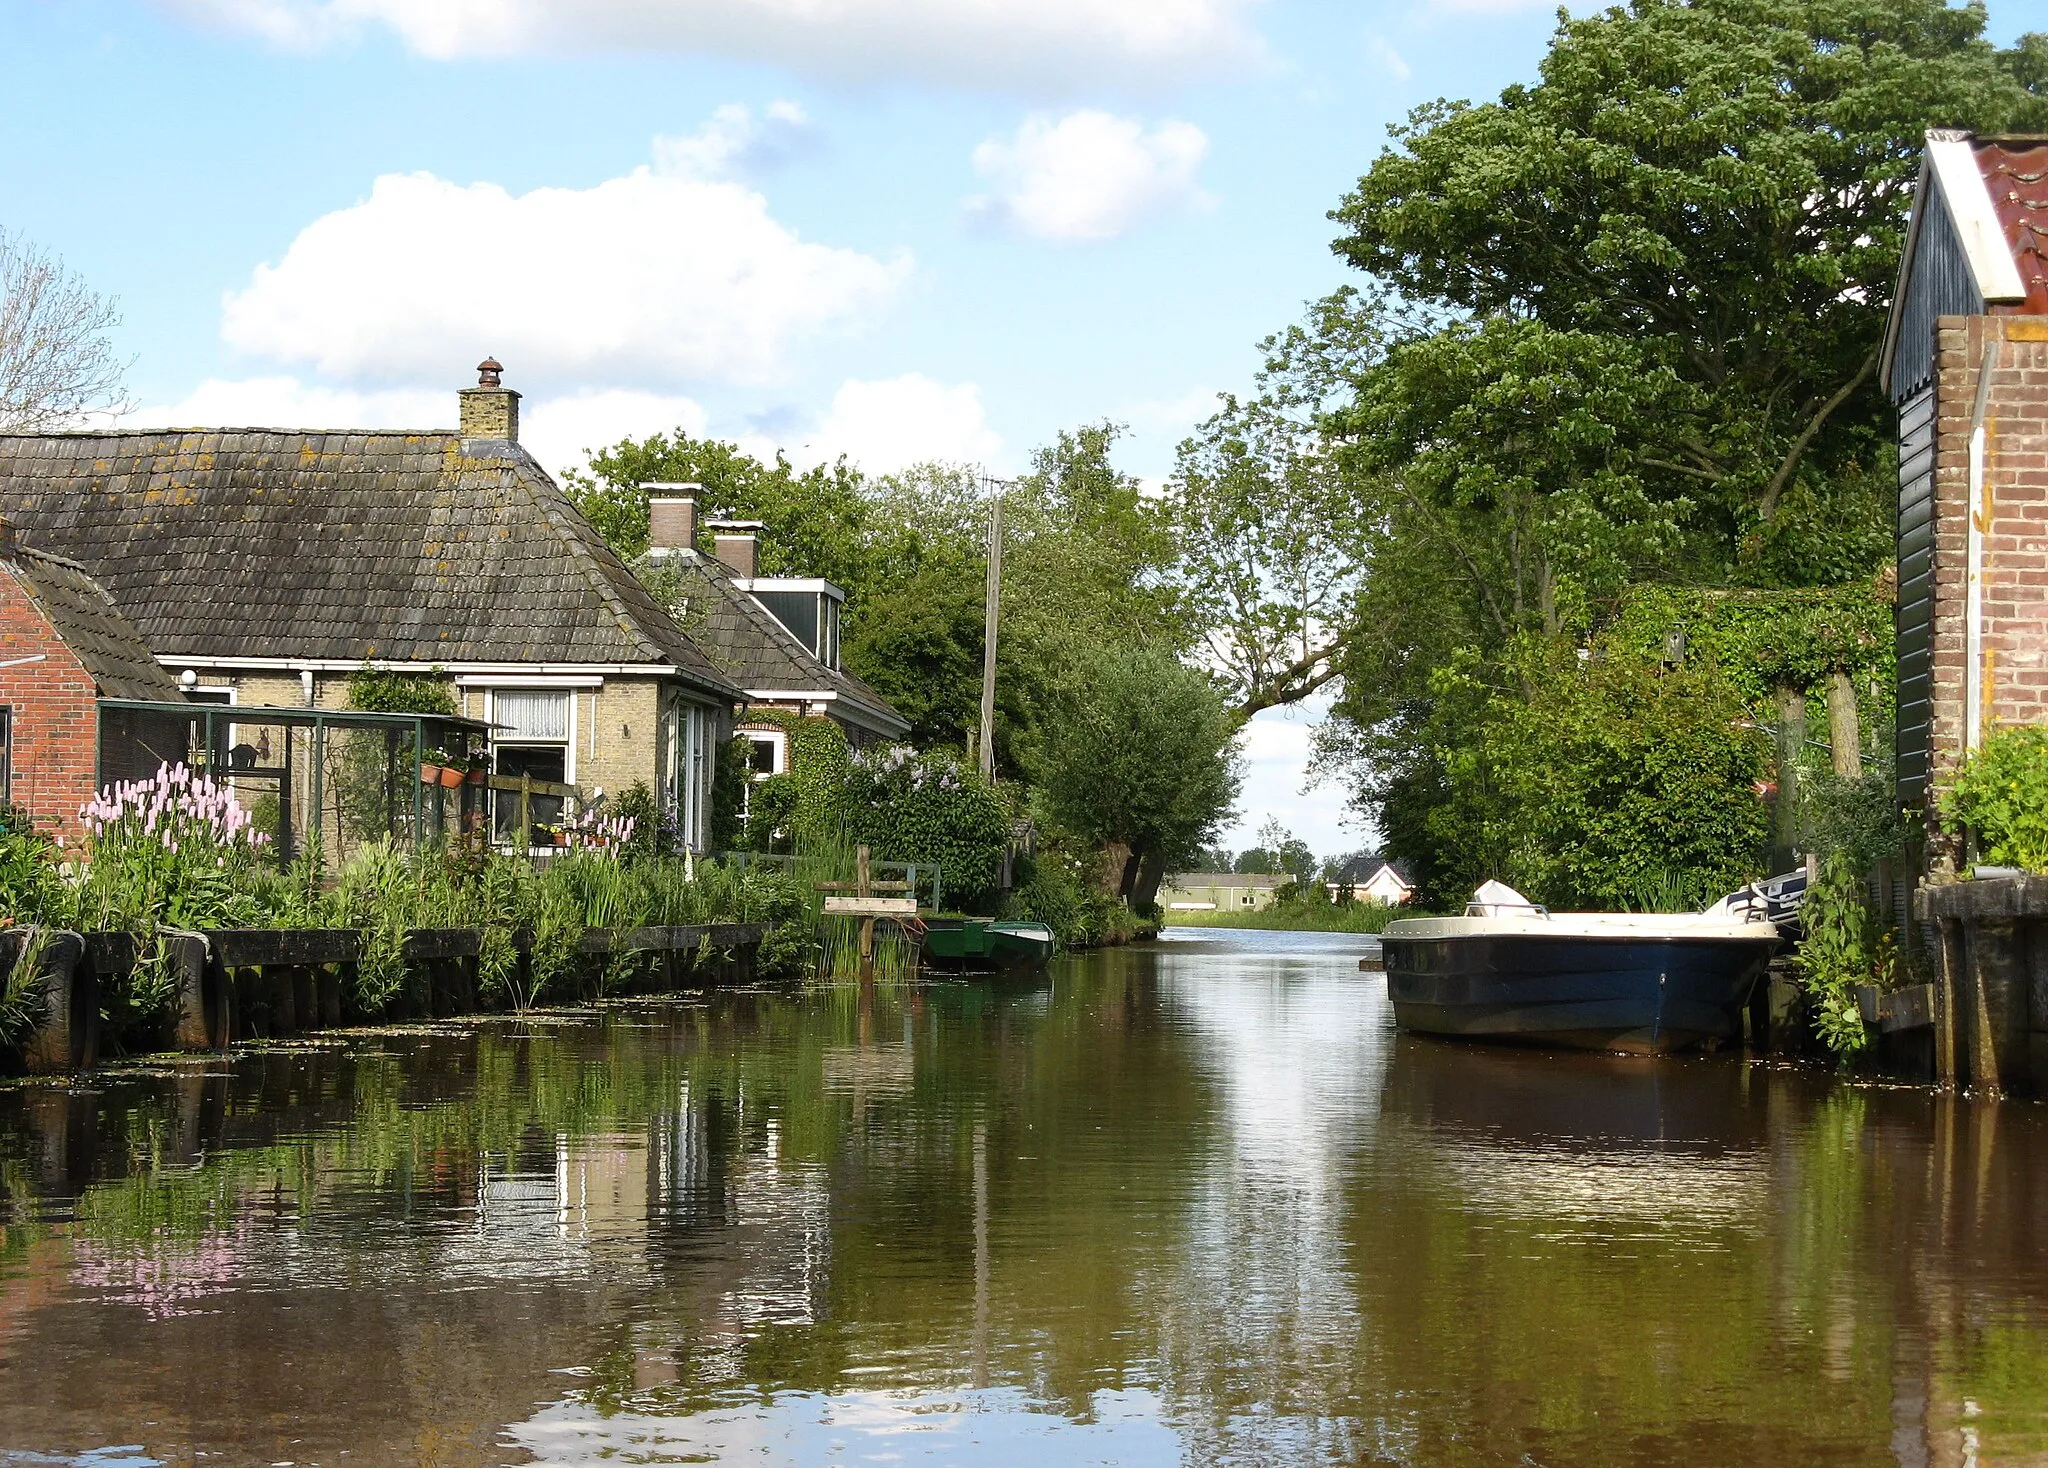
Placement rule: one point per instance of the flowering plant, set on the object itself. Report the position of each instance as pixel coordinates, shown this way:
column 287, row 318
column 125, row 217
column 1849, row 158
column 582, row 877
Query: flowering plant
column 594, row 832
column 176, row 850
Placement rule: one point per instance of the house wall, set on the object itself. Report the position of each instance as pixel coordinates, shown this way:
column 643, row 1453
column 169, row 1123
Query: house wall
column 2015, row 586
column 55, row 714
column 616, row 726
column 1190, row 888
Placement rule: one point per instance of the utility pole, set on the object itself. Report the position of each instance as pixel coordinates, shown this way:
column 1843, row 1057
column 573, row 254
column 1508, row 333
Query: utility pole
column 991, row 616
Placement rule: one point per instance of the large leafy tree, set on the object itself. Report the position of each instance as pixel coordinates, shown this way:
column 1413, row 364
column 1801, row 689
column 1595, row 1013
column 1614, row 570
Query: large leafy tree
column 1272, row 523
column 1722, row 185
column 1665, row 267
column 1142, row 754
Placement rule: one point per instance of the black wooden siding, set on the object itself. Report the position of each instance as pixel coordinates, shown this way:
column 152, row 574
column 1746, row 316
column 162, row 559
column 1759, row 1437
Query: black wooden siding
column 1940, row 285
column 1915, row 624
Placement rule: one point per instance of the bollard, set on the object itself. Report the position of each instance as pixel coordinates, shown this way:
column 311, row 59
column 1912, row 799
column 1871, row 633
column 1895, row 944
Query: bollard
column 188, row 957
column 67, row 1038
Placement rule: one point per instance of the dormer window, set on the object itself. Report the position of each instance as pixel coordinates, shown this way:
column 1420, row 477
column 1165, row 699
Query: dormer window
column 807, row 607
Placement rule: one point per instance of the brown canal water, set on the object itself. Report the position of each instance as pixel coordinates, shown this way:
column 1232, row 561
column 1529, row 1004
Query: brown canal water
column 1194, row 1204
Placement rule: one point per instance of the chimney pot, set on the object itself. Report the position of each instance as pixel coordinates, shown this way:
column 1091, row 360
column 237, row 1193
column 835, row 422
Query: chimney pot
column 737, row 544
column 672, row 516
column 490, row 410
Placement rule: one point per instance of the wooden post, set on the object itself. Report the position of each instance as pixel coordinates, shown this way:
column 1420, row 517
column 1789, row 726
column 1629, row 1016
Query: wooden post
column 863, row 886
column 526, row 811
column 1845, row 730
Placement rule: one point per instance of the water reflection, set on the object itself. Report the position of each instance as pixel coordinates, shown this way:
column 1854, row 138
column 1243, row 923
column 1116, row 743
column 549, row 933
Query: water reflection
column 1197, row 1204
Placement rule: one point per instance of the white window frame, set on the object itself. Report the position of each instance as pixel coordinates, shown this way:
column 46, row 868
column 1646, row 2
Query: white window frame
column 498, row 742
column 776, row 739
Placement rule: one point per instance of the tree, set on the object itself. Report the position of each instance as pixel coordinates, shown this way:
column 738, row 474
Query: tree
column 1269, row 521
column 1143, row 754
column 815, row 518
column 1723, row 186
column 57, row 361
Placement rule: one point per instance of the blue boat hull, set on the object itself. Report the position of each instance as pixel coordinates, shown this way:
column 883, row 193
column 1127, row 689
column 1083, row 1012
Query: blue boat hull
column 1644, row 995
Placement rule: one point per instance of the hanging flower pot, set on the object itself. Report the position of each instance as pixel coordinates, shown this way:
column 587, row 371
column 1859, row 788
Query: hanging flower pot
column 451, row 778
column 478, row 775
column 430, row 774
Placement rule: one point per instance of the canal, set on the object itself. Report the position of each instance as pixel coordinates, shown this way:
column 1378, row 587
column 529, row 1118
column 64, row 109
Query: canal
column 1196, row 1203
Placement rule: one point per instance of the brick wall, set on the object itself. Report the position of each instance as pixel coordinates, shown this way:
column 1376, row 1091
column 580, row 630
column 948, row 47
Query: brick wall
column 55, row 713
column 2015, row 596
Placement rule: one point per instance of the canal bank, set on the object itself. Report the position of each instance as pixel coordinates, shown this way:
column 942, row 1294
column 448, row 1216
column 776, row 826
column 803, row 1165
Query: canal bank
column 1188, row 1201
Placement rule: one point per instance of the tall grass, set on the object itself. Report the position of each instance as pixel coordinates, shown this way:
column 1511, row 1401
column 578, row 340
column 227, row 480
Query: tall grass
column 1354, row 917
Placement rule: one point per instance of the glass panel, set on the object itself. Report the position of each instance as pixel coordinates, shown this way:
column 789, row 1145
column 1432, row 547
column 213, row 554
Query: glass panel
column 531, row 713
column 796, row 610
column 542, row 762
column 763, row 762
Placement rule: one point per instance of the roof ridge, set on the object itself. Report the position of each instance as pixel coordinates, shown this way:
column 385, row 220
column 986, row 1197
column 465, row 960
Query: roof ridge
column 553, row 504
column 789, row 644
column 581, row 538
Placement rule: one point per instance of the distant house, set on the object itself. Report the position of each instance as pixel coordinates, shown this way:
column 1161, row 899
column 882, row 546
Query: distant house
column 1964, row 358
column 1220, row 891
column 1372, row 879
column 271, row 564
column 64, row 646
column 777, row 638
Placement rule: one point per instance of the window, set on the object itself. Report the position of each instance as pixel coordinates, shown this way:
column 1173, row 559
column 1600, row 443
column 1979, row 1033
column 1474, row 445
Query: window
column 766, row 759
column 1249, row 900
column 6, row 754
column 532, row 735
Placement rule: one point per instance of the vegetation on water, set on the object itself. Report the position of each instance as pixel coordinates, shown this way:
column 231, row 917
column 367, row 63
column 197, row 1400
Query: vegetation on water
column 176, row 853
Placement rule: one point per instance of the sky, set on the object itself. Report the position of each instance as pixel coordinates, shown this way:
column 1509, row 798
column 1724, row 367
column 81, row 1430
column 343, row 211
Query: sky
column 900, row 230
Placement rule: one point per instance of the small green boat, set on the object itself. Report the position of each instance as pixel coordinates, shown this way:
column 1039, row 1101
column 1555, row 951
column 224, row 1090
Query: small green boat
column 981, row 944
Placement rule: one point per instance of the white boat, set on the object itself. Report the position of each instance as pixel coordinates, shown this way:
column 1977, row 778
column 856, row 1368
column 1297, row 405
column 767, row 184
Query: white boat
column 1510, row 969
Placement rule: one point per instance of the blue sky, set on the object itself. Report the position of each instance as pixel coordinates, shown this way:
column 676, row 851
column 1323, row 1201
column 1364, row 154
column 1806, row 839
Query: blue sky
column 901, row 229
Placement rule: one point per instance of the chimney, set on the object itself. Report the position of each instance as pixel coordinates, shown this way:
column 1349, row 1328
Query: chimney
column 671, row 517
column 10, row 539
column 737, row 543
column 490, row 410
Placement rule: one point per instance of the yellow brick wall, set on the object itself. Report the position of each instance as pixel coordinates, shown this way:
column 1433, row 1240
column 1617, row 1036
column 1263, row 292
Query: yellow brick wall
column 617, row 738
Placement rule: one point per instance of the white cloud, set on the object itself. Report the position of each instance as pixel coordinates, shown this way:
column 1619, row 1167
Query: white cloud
column 1383, row 51
column 949, row 41
column 555, row 430
column 736, row 144
column 1088, row 175
column 559, row 431
column 894, row 423
column 649, row 278
column 285, row 402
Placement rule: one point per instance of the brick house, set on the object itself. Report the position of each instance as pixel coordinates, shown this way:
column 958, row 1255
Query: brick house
column 64, row 645
column 1965, row 359
column 269, row 565
column 776, row 637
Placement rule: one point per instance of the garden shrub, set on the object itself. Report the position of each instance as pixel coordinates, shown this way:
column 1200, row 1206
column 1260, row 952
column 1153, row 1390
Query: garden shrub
column 929, row 807
column 2001, row 793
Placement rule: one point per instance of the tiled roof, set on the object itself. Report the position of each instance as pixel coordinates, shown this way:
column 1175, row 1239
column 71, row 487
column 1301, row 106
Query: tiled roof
column 2016, row 176
column 1359, row 870
column 85, row 617
column 400, row 547
column 760, row 654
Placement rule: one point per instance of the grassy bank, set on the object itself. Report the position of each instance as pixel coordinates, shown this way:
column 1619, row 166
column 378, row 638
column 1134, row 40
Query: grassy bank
column 1357, row 917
